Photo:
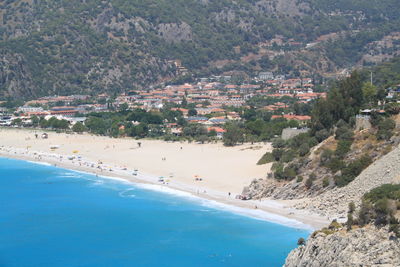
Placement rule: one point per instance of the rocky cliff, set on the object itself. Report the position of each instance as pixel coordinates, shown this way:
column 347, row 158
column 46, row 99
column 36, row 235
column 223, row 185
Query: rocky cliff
column 323, row 196
column 368, row 246
column 332, row 202
column 335, row 202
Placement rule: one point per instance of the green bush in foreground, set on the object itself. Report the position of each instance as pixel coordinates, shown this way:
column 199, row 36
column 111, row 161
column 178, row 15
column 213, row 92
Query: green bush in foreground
column 379, row 207
column 389, row 191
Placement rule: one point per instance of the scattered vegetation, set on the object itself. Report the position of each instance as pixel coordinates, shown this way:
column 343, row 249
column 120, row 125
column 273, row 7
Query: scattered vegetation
column 333, row 227
column 381, row 206
column 81, row 45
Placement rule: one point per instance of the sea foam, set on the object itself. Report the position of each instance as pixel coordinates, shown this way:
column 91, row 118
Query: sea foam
column 40, row 163
column 253, row 213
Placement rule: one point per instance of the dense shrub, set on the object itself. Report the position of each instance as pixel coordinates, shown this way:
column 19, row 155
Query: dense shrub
column 289, row 173
column 321, row 135
column 343, row 147
column 385, row 129
column 304, row 149
column 277, row 153
column 79, row 127
column 288, row 155
column 352, row 170
column 335, row 165
column 276, row 165
column 309, row 182
column 392, row 108
column 355, row 167
column 382, row 211
column 301, row 242
column 278, row 143
column 379, row 207
column 326, row 156
column 266, row 158
column 325, row 182
column 391, row 191
column 298, row 140
column 344, row 132
column 365, row 213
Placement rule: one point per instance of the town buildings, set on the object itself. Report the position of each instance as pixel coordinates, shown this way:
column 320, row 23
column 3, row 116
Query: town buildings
column 210, row 101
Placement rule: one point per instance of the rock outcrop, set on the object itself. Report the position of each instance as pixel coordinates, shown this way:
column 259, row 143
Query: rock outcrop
column 175, row 32
column 335, row 202
column 367, row 246
column 330, row 200
column 332, row 203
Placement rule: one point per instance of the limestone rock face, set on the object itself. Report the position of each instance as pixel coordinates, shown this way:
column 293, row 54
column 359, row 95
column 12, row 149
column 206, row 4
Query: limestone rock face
column 367, row 246
column 175, row 32
column 331, row 202
column 335, row 202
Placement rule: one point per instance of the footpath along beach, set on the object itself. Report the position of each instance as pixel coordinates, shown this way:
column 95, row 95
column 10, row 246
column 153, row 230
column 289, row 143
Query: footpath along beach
column 207, row 171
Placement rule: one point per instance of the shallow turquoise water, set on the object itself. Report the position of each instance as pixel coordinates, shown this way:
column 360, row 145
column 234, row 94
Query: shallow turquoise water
column 56, row 217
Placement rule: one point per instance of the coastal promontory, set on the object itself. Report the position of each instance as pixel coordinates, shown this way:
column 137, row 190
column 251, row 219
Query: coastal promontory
column 367, row 246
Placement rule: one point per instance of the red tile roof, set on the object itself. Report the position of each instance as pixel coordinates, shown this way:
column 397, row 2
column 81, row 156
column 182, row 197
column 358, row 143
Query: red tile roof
column 292, row 117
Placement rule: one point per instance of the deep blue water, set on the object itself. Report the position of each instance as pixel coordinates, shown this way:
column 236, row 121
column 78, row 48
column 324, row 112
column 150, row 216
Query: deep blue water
column 55, row 217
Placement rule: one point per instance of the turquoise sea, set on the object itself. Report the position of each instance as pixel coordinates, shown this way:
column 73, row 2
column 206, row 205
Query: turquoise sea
column 56, row 217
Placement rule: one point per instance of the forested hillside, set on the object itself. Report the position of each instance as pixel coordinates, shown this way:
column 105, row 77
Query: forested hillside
column 86, row 46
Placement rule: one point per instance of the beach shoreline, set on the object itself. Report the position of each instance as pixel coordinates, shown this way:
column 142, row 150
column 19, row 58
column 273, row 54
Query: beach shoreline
column 269, row 210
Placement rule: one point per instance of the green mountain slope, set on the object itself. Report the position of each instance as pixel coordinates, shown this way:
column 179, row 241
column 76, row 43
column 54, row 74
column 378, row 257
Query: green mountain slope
column 85, row 46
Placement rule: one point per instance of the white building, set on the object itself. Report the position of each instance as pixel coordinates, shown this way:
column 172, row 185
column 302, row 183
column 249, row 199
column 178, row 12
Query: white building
column 25, row 109
column 264, row 76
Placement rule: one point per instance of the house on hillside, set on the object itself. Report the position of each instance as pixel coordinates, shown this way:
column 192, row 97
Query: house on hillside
column 197, row 119
column 218, row 130
column 64, row 111
column 217, row 120
column 25, row 109
column 302, row 119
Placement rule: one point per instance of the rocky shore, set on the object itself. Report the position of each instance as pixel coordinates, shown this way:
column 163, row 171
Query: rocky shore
column 367, row 246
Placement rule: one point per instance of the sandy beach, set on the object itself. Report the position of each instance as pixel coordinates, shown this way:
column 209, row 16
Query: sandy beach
column 209, row 171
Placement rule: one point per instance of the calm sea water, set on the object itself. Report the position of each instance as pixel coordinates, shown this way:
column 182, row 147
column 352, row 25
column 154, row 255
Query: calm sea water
column 55, row 217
